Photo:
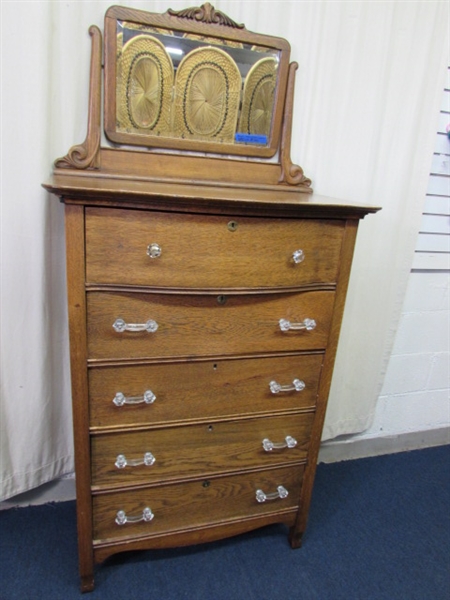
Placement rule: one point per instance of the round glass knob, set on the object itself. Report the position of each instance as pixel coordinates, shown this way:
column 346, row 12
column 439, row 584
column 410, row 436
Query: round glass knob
column 298, row 256
column 154, row 250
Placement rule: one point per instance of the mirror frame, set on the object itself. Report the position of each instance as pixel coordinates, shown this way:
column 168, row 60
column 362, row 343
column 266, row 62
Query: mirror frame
column 201, row 21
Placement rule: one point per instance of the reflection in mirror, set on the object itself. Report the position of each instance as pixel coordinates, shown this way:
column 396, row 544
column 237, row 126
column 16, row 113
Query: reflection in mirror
column 186, row 86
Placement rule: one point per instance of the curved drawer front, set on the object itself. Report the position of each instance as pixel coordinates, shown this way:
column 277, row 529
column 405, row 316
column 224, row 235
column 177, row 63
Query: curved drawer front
column 183, row 391
column 194, row 504
column 191, row 325
column 198, row 450
column 201, row 251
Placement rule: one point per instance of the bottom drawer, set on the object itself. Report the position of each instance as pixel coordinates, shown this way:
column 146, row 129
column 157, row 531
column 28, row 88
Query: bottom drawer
column 178, row 507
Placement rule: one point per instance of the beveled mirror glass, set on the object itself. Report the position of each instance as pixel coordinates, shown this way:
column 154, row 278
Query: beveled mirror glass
column 193, row 80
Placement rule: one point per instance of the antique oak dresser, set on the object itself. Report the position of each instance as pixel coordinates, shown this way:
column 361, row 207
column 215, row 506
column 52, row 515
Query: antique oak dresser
column 206, row 287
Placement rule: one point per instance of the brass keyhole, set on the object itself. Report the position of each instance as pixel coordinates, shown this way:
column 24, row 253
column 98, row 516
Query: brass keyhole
column 221, row 299
column 232, row 226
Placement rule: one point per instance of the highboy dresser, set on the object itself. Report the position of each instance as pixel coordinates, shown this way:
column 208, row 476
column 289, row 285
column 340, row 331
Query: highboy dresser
column 206, row 287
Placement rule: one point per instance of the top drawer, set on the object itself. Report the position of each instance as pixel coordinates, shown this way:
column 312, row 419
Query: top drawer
column 208, row 252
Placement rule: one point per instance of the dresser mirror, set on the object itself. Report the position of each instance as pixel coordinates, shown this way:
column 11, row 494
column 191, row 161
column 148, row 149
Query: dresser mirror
column 193, row 80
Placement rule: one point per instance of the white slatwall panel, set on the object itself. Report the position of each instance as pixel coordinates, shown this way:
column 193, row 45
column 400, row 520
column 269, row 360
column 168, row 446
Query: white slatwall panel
column 446, row 97
column 438, row 184
column 433, row 243
column 437, row 205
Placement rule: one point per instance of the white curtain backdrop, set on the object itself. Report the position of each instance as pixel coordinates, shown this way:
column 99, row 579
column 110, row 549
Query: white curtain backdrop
column 368, row 90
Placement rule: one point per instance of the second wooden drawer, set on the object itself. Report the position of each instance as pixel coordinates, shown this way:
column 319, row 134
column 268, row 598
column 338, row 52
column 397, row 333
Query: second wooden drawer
column 202, row 325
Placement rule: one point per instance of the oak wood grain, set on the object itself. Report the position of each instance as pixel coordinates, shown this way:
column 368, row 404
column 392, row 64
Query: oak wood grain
column 75, row 245
column 201, row 390
column 199, row 534
column 198, row 450
column 202, row 326
column 209, row 251
column 325, row 383
column 195, row 504
column 144, row 190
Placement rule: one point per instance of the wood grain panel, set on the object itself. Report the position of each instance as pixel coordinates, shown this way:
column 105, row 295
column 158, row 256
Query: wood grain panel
column 201, row 389
column 201, row 326
column 195, row 504
column 200, row 251
column 76, row 298
column 325, row 383
column 198, row 535
column 197, row 450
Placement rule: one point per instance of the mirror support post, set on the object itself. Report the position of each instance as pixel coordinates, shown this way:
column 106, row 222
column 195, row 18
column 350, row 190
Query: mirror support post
column 290, row 173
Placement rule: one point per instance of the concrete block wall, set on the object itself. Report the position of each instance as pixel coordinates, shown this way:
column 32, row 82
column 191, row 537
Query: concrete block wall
column 415, row 394
column 413, row 409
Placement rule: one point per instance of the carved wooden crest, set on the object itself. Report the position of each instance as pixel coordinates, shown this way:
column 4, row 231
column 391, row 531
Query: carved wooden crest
column 206, row 13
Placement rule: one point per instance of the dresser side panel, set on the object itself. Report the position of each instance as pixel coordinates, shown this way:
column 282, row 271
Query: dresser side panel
column 325, row 381
column 75, row 258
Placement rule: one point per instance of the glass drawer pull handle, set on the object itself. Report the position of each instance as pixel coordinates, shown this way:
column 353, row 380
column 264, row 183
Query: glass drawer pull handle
column 122, row 518
column 308, row 324
column 298, row 256
column 120, row 326
column 154, row 250
column 147, row 398
column 297, row 386
column 289, row 442
column 122, row 461
column 280, row 493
